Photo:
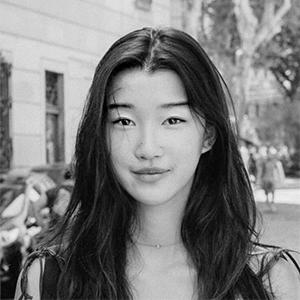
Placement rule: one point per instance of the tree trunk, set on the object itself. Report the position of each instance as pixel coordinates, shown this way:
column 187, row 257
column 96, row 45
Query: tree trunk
column 253, row 34
column 191, row 16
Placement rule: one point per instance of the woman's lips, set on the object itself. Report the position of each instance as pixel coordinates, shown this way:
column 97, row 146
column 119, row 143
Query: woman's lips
column 150, row 175
column 150, row 171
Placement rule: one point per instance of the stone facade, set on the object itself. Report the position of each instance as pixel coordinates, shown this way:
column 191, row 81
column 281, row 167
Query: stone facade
column 65, row 37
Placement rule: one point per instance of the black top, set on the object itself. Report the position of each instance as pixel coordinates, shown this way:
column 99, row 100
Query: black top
column 50, row 278
column 262, row 260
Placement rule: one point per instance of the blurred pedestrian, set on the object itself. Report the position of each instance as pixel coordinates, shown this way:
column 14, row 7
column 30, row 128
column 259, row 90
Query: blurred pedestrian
column 270, row 175
column 252, row 167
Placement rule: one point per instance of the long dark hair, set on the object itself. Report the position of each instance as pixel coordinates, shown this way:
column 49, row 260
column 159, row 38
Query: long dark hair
column 218, row 227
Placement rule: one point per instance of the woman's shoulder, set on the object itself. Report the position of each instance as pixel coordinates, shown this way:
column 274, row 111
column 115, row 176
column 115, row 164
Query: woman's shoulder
column 279, row 268
column 39, row 274
column 267, row 254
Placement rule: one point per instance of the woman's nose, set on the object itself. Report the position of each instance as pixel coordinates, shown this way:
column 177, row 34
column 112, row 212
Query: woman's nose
column 148, row 145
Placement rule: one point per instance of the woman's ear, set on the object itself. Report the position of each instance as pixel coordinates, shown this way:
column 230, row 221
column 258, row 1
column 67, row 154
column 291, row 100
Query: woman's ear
column 209, row 138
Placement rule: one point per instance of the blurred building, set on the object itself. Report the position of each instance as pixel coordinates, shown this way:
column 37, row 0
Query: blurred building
column 49, row 50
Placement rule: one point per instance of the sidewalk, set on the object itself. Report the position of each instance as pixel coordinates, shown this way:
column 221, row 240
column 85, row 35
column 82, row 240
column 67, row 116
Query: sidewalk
column 288, row 193
column 281, row 227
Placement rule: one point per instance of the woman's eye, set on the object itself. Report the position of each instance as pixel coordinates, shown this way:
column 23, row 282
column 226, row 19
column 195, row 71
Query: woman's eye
column 173, row 121
column 123, row 122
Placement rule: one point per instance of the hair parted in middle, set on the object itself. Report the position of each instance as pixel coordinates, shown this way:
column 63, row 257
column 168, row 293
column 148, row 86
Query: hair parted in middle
column 218, row 226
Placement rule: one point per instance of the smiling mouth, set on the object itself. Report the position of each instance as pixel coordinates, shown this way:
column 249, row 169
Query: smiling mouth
column 150, row 171
column 150, row 175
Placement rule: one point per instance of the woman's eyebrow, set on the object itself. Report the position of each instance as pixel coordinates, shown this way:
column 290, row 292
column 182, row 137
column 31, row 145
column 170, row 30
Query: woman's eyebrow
column 131, row 106
column 174, row 104
column 120, row 105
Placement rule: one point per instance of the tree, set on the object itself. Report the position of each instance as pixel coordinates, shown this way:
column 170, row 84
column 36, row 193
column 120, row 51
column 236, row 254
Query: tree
column 191, row 16
column 235, row 29
column 282, row 54
column 286, row 120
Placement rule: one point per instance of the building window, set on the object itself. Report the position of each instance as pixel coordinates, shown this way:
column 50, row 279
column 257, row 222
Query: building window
column 5, row 106
column 143, row 4
column 54, row 117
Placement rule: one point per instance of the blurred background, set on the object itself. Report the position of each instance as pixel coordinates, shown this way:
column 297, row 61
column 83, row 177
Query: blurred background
column 48, row 53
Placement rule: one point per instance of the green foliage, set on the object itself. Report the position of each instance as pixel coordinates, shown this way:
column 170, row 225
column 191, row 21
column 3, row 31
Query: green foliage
column 218, row 28
column 220, row 34
column 259, row 5
column 286, row 119
column 282, row 54
column 271, row 117
column 220, row 37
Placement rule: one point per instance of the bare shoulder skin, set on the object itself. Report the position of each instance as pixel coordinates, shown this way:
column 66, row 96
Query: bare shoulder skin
column 285, row 280
column 283, row 276
column 33, row 284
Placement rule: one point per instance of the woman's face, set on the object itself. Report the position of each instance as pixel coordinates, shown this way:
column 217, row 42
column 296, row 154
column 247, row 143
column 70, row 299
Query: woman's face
column 155, row 141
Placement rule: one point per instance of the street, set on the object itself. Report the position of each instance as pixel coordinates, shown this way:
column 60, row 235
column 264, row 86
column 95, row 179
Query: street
column 281, row 228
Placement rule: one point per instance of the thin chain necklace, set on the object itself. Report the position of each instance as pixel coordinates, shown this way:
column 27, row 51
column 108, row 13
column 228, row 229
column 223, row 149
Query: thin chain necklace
column 157, row 246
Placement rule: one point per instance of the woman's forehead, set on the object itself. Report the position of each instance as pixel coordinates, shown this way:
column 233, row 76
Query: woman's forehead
column 135, row 85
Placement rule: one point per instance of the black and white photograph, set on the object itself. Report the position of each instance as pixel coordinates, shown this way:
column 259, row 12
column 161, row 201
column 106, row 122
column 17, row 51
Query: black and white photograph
column 150, row 149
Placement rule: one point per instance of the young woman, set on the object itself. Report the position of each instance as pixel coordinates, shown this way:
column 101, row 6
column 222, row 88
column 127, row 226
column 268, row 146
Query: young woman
column 162, row 207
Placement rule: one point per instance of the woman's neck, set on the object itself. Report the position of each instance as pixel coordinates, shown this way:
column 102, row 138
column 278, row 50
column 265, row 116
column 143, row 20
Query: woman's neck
column 165, row 270
column 159, row 226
